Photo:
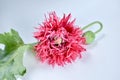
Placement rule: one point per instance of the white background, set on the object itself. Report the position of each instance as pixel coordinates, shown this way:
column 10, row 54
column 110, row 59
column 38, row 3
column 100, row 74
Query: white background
column 102, row 59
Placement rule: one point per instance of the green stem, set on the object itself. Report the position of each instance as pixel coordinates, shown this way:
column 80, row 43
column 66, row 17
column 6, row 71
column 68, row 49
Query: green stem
column 93, row 23
column 31, row 43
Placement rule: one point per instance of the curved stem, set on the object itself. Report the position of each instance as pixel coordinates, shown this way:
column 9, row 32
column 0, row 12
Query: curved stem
column 93, row 23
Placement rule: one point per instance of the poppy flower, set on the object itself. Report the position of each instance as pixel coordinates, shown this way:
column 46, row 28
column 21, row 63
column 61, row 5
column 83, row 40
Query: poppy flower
column 60, row 41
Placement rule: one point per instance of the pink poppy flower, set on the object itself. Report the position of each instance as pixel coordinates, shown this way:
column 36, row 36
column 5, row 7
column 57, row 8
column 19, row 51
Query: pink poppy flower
column 60, row 41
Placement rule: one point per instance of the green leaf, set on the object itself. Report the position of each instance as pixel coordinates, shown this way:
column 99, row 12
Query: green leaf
column 90, row 37
column 11, row 40
column 11, row 58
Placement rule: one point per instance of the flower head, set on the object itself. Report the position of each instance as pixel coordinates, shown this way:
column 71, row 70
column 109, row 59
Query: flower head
column 59, row 40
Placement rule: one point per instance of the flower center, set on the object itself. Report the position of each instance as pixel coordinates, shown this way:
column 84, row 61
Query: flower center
column 58, row 41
